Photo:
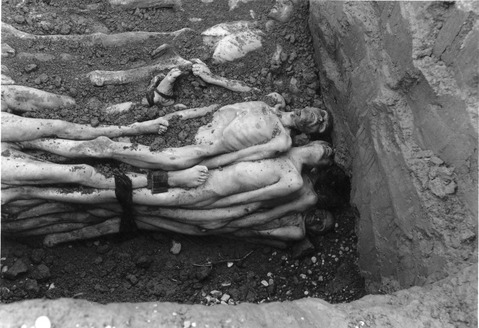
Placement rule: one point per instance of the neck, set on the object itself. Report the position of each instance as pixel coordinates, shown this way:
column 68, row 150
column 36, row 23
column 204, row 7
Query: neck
column 286, row 119
column 295, row 155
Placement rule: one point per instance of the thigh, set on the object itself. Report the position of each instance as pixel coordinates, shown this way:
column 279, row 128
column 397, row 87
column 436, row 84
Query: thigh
column 19, row 168
column 17, row 128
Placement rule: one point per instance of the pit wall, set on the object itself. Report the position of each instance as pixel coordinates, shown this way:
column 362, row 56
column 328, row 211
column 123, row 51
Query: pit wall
column 401, row 79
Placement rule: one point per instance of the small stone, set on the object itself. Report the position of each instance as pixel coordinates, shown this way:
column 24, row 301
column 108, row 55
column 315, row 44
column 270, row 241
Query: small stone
column 229, row 264
column 46, row 26
column 19, row 19
column 203, row 272
column 65, row 29
column 143, row 261
column 132, row 279
column 31, row 68
column 175, row 248
column 43, row 78
column 31, row 286
column 436, row 160
column 152, row 113
column 37, row 255
column 94, row 123
column 225, row 297
column 182, row 135
column 293, row 56
column 98, row 260
column 41, row 272
column 18, row 268
column 57, row 81
column 102, row 249
column 43, row 322
column 264, row 283
column 7, row 51
column 269, row 25
column 216, row 293
column 73, row 92
column 314, row 259
column 101, row 288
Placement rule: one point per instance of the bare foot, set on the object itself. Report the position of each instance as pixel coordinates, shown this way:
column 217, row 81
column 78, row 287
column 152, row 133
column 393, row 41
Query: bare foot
column 160, row 90
column 189, row 178
column 159, row 125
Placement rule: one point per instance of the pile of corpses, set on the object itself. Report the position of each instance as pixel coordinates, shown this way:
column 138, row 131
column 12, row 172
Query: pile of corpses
column 241, row 176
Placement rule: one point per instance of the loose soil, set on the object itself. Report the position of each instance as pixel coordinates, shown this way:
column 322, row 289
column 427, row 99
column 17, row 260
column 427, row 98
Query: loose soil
column 143, row 268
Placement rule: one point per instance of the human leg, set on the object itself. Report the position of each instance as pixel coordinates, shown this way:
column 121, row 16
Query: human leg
column 161, row 88
column 202, row 71
column 133, row 154
column 25, row 99
column 18, row 128
column 21, row 169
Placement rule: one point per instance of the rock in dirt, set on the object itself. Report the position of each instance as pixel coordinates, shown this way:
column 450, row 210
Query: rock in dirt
column 19, row 19
column 37, row 255
column 31, row 68
column 203, row 272
column 132, row 279
column 41, row 272
column 43, row 322
column 144, row 261
column 175, row 248
column 18, row 268
column 216, row 293
column 102, row 249
column 31, row 286
column 302, row 248
column 7, row 51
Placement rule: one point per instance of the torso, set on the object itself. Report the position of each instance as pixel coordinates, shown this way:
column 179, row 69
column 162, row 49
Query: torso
column 246, row 176
column 241, row 125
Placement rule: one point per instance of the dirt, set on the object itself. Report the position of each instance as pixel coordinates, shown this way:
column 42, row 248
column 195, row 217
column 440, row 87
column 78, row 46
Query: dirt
column 143, row 268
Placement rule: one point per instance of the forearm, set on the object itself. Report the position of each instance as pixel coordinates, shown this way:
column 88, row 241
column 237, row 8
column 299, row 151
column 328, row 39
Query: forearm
column 193, row 112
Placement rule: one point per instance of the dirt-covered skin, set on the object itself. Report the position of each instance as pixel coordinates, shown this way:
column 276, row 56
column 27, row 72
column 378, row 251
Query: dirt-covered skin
column 142, row 268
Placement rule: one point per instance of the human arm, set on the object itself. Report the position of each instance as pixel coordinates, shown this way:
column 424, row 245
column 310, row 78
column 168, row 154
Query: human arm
column 273, row 148
column 288, row 183
column 193, row 112
column 302, row 201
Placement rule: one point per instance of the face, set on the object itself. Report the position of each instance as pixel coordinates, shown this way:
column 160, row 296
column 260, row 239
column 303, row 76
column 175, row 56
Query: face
column 322, row 153
column 311, row 120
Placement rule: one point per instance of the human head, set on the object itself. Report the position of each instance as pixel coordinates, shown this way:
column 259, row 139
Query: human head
column 319, row 221
column 318, row 153
column 312, row 120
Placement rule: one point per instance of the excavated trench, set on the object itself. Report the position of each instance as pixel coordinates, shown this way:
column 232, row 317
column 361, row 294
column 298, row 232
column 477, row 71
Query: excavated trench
column 401, row 81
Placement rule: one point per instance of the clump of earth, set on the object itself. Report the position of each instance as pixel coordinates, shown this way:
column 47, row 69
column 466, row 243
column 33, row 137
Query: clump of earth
column 167, row 266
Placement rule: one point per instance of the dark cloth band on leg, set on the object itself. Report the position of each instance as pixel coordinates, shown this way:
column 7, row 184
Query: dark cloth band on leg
column 157, row 181
column 124, row 195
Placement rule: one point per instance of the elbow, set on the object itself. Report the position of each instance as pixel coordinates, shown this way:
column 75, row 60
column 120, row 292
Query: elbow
column 286, row 144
